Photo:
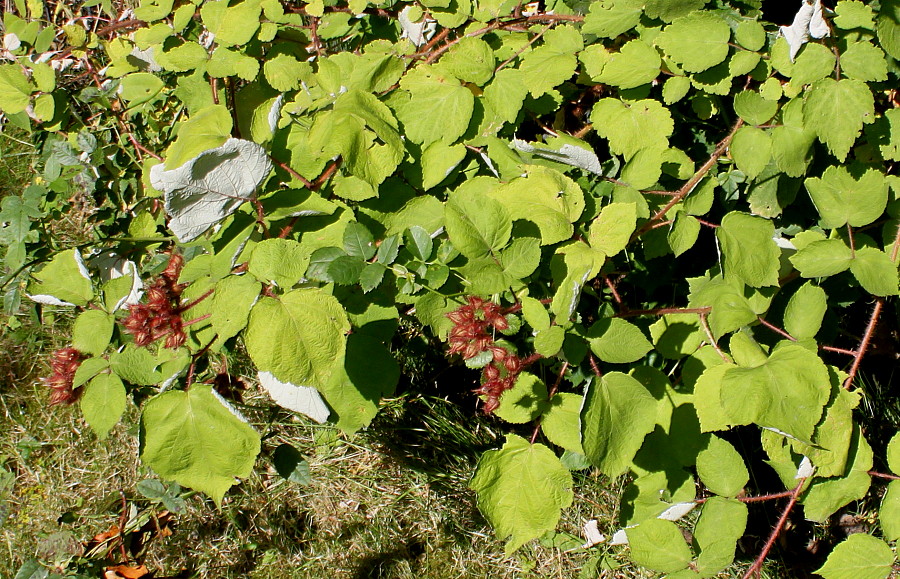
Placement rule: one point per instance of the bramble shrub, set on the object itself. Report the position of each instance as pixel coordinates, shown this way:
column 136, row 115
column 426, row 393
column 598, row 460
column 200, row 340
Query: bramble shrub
column 655, row 227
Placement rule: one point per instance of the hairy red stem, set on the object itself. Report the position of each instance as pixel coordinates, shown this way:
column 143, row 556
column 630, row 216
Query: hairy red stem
column 754, row 569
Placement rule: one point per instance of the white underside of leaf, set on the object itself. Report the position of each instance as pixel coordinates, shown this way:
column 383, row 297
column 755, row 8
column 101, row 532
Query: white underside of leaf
column 620, row 537
column 677, row 511
column 275, row 113
column 809, row 21
column 303, row 399
column 48, row 300
column 211, row 186
column 806, row 469
column 592, row 534
column 567, row 154
column 418, row 32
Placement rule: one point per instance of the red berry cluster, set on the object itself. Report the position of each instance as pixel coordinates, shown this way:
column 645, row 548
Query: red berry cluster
column 470, row 337
column 161, row 315
column 64, row 363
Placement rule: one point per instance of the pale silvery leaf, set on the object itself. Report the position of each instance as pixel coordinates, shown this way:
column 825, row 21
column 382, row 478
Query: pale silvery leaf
column 592, row 534
column 275, row 113
column 48, row 300
column 11, row 42
column 211, row 186
column 806, row 469
column 145, row 61
column 418, row 32
column 677, row 511
column 620, row 537
column 303, row 399
column 809, row 21
column 567, row 154
column 112, row 266
column 82, row 269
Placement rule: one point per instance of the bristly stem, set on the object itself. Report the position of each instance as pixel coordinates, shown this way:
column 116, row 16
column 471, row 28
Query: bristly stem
column 550, row 395
column 712, row 339
column 754, row 569
column 685, row 189
column 864, row 343
column 663, row 312
column 775, row 329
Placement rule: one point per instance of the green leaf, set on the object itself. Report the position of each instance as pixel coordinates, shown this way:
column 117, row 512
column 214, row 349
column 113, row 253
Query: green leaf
column 226, row 62
column 505, row 95
column 751, row 254
column 92, row 332
column 63, row 281
column 632, row 126
column 617, row 341
column 231, row 24
column 521, row 489
column 888, row 27
column 721, row 468
column 284, row 72
column 675, row 89
column 152, row 10
column 552, row 63
column 549, row 341
column 183, row 58
column 545, row 197
column 823, row 258
column 659, row 545
column 815, row 62
column 860, row 556
column 521, row 258
column 708, row 399
column 852, row 14
column 610, row 18
column 367, row 372
column 470, row 60
column 535, row 314
column 299, row 338
column 358, row 242
column 849, row 100
column 722, row 523
column 751, row 149
column 863, row 61
column 135, row 365
column 833, row 433
column 207, row 129
column 676, row 335
column 730, row 308
column 194, row 439
column 750, row 34
column 15, row 89
column 805, row 311
column 842, row 197
column 477, row 225
column 875, row 271
column 525, row 401
column 279, row 261
column 788, row 392
column 684, row 233
column 428, row 93
column 103, row 403
column 612, row 229
column 231, row 303
column 889, row 514
column 826, row 495
column 138, row 88
column 753, row 108
column 893, row 454
column 618, row 413
column 697, row 41
column 637, row 63
column 561, row 423
column 438, row 162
